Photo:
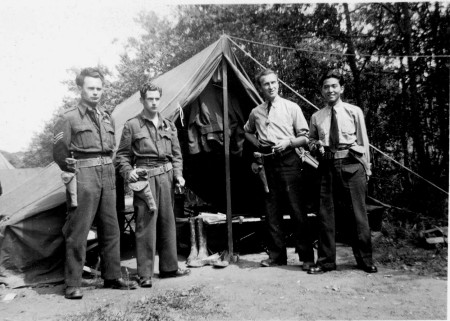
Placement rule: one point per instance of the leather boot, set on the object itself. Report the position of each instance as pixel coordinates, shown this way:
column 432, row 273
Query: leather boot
column 194, row 251
column 202, row 246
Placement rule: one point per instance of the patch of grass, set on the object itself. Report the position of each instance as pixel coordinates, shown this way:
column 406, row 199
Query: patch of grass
column 401, row 247
column 173, row 305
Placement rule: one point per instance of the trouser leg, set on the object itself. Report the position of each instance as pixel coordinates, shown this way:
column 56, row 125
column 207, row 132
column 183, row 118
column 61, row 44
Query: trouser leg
column 145, row 234
column 326, row 217
column 355, row 185
column 78, row 223
column 108, row 226
column 166, row 228
column 275, row 242
column 291, row 180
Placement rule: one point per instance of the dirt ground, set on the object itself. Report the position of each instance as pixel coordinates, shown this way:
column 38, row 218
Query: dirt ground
column 246, row 291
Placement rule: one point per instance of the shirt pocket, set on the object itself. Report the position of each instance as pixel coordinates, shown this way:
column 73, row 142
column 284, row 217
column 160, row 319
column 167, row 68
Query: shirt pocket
column 142, row 143
column 166, row 142
column 323, row 132
column 84, row 136
column 348, row 127
column 110, row 134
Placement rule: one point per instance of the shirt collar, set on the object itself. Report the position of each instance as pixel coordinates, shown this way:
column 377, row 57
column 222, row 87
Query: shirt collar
column 338, row 105
column 274, row 102
column 142, row 118
column 83, row 108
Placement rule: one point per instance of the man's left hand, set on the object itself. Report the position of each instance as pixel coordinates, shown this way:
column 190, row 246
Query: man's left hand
column 281, row 145
column 180, row 181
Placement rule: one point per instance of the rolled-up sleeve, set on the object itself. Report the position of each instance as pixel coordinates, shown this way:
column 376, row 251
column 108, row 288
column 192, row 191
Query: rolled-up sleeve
column 249, row 126
column 300, row 124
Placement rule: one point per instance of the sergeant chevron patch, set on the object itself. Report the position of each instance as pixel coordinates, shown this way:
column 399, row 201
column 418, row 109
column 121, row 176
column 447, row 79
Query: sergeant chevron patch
column 57, row 137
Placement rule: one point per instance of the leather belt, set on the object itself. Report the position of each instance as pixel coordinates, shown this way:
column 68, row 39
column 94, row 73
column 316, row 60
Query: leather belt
column 90, row 155
column 339, row 154
column 155, row 171
column 91, row 162
column 266, row 152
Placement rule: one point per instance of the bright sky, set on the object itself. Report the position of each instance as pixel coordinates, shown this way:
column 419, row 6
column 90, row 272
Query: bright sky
column 41, row 40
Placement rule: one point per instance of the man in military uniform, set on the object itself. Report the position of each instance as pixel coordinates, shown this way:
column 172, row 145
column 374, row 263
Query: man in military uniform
column 149, row 149
column 86, row 133
column 276, row 128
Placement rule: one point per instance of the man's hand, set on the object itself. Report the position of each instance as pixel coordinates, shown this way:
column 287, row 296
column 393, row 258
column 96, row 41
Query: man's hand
column 319, row 146
column 133, row 176
column 281, row 145
column 180, row 182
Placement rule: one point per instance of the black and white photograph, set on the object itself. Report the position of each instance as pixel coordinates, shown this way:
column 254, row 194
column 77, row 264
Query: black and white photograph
column 224, row 160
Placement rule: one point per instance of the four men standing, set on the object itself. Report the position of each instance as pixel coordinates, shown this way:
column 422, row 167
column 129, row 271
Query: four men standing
column 149, row 151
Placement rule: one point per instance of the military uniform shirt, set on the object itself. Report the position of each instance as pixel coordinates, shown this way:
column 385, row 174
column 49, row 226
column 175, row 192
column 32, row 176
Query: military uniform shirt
column 78, row 132
column 142, row 140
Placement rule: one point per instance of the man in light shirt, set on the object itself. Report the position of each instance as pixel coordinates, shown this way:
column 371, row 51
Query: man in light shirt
column 338, row 134
column 276, row 128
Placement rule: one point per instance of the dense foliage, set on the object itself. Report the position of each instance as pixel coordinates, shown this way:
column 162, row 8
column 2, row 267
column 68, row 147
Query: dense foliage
column 395, row 57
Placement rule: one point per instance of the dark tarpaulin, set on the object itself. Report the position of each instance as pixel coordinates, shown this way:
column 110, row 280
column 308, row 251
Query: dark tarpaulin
column 31, row 219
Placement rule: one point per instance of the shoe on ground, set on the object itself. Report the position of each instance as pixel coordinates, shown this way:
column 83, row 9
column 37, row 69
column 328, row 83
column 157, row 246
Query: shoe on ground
column 307, row 266
column 174, row 274
column 368, row 268
column 145, row 282
column 120, row 284
column 320, row 269
column 73, row 293
column 270, row 262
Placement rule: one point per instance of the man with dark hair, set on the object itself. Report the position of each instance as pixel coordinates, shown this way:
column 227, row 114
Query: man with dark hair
column 149, row 150
column 338, row 134
column 276, row 128
column 83, row 143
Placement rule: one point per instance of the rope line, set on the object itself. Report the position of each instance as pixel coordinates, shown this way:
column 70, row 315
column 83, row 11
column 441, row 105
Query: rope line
column 375, row 148
column 409, row 170
column 338, row 53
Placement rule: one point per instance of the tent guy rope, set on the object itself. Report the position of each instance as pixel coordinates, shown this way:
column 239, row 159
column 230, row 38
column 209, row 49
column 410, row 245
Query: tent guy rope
column 339, row 53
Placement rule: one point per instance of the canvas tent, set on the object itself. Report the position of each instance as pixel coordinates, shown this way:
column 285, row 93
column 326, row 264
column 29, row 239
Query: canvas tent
column 31, row 218
column 195, row 90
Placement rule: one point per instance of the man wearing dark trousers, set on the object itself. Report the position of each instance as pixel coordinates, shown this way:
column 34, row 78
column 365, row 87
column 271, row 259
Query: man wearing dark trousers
column 338, row 135
column 86, row 133
column 149, row 148
column 276, row 128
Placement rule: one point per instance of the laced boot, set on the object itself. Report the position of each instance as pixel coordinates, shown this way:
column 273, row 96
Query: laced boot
column 194, row 251
column 202, row 246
